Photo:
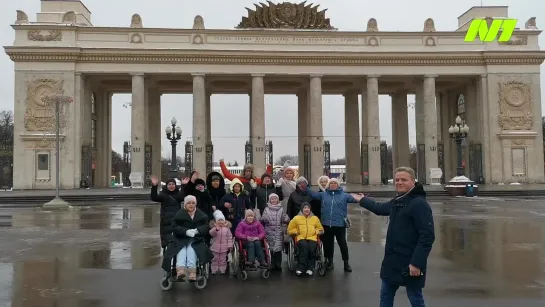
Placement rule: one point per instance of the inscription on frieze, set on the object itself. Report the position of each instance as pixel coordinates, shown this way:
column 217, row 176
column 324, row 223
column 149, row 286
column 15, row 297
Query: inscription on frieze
column 282, row 40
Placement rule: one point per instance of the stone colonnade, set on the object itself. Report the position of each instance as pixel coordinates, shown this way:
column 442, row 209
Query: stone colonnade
column 504, row 147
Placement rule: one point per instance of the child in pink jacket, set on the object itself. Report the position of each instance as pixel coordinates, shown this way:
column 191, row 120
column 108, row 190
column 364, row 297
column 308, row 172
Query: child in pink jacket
column 251, row 232
column 222, row 242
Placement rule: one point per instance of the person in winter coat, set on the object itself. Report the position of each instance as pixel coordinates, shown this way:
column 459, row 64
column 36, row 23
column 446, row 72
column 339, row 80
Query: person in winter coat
column 409, row 238
column 298, row 197
column 197, row 187
column 190, row 226
column 275, row 220
column 263, row 192
column 251, row 233
column 306, row 227
column 286, row 181
column 316, row 204
column 247, row 174
column 170, row 200
column 216, row 187
column 222, row 242
column 335, row 220
column 234, row 204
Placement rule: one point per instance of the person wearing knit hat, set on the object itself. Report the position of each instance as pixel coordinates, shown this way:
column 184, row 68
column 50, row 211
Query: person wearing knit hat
column 298, row 197
column 251, row 232
column 190, row 228
column 275, row 220
column 234, row 203
column 334, row 217
column 221, row 243
column 307, row 227
column 170, row 199
column 263, row 191
column 197, row 187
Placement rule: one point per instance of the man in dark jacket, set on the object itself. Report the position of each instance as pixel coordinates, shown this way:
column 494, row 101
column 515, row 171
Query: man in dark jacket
column 409, row 238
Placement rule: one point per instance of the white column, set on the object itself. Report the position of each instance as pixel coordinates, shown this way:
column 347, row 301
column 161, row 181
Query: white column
column 373, row 130
column 420, row 135
column 257, row 124
column 108, row 141
column 364, row 147
column 302, row 127
column 352, row 137
column 400, row 130
column 208, row 118
column 316, row 133
column 430, row 125
column 156, row 129
column 199, row 123
column 138, row 128
column 79, row 121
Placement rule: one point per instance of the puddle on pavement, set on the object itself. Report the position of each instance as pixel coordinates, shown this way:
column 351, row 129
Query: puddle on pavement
column 85, row 218
column 485, row 252
column 52, row 271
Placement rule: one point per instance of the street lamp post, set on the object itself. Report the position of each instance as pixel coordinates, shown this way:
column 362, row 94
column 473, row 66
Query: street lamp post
column 459, row 132
column 57, row 202
column 174, row 134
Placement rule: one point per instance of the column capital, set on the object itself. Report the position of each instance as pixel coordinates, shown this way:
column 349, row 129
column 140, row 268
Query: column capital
column 431, row 76
column 137, row 74
column 258, row 75
column 316, row 76
column 198, row 74
column 373, row 76
column 484, row 75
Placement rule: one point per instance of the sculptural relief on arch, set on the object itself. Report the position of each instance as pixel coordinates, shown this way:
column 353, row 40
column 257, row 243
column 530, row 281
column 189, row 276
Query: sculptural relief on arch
column 280, row 47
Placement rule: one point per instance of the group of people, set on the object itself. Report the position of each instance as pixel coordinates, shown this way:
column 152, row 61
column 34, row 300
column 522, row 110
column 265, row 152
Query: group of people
column 254, row 208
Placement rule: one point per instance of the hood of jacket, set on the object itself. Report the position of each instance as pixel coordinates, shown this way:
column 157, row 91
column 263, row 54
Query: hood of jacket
column 319, row 185
column 337, row 191
column 167, row 191
column 236, row 181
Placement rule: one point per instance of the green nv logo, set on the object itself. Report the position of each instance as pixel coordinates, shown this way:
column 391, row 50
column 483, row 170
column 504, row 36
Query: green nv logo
column 480, row 27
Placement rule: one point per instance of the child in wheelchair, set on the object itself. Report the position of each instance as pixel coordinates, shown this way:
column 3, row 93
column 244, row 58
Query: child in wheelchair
column 306, row 227
column 251, row 233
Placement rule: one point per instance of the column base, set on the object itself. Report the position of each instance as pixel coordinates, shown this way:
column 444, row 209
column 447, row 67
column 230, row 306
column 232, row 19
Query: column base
column 56, row 203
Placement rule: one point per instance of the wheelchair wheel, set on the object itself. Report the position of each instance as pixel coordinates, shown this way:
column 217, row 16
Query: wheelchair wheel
column 205, row 270
column 243, row 275
column 235, row 260
column 291, row 256
column 201, row 282
column 321, row 260
column 166, row 283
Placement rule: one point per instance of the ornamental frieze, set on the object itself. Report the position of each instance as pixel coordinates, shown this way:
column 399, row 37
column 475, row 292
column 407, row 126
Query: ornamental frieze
column 39, row 115
column 36, row 35
column 516, row 106
column 286, row 15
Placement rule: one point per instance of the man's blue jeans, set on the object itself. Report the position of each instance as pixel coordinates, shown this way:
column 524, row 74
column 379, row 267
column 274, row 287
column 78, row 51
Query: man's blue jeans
column 388, row 292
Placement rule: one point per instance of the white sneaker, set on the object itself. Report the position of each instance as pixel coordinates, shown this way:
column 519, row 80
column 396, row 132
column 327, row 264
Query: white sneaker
column 309, row 272
column 298, row 273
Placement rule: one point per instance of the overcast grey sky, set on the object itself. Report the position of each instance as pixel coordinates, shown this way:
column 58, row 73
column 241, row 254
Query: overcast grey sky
column 230, row 112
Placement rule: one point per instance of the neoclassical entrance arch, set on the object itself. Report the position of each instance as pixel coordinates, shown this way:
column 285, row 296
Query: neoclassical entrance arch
column 62, row 52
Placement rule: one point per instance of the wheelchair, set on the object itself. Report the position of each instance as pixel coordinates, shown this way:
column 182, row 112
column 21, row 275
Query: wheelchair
column 293, row 256
column 237, row 266
column 203, row 273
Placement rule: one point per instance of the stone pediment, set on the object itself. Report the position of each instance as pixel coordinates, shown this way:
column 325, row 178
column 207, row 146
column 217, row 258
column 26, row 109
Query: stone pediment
column 286, row 15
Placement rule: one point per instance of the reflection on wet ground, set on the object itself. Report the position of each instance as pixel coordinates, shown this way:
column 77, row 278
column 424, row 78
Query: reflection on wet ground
column 487, row 252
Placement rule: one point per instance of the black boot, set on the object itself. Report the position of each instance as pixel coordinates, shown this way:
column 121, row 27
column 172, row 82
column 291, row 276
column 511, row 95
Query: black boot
column 347, row 267
column 329, row 264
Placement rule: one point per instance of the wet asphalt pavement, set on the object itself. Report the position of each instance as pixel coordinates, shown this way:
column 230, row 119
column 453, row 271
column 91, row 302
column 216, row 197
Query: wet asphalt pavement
column 488, row 252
